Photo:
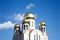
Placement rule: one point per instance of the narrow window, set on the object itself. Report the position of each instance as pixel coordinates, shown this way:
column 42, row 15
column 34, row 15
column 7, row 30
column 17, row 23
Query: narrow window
column 44, row 29
column 27, row 27
column 39, row 37
column 24, row 27
column 32, row 23
column 34, row 37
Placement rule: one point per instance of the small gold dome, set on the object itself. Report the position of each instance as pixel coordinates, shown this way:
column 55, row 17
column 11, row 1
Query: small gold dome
column 17, row 26
column 42, row 24
column 29, row 15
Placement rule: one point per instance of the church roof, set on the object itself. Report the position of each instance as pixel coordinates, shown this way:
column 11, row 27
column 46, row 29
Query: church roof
column 42, row 24
column 17, row 26
column 29, row 15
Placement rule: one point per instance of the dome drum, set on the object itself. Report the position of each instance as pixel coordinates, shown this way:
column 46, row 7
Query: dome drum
column 24, row 22
column 30, row 18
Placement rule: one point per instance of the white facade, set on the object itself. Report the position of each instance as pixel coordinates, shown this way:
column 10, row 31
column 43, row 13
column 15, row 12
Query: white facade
column 29, row 32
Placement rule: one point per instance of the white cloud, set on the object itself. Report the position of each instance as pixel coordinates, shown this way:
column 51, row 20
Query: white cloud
column 18, row 17
column 7, row 25
column 15, row 17
column 29, row 6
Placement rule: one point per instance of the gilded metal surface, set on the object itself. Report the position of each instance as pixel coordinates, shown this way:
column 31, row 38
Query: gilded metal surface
column 29, row 16
column 17, row 26
column 42, row 24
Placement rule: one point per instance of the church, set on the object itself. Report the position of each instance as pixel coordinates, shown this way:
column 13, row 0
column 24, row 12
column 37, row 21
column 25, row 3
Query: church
column 29, row 32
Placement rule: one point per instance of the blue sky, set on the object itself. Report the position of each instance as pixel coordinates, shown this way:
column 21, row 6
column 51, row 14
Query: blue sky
column 49, row 10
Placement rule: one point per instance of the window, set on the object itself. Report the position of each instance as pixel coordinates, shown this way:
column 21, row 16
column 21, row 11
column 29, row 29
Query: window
column 39, row 37
column 29, row 23
column 42, row 29
column 27, row 27
column 34, row 37
column 32, row 23
column 24, row 27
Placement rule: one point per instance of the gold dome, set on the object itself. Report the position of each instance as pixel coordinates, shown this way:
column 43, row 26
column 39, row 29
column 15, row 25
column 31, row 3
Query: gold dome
column 42, row 24
column 29, row 15
column 17, row 26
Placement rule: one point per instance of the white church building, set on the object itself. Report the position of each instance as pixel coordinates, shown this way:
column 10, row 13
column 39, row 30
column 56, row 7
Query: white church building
column 29, row 32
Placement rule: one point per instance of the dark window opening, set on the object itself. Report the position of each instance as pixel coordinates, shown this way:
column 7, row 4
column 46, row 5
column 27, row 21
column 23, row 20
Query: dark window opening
column 24, row 27
column 27, row 27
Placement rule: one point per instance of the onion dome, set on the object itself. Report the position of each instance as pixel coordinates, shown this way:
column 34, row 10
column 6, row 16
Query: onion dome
column 42, row 24
column 17, row 26
column 29, row 15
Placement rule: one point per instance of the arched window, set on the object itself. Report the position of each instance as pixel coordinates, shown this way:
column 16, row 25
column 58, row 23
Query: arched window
column 39, row 37
column 34, row 37
column 27, row 27
column 32, row 23
column 42, row 29
column 24, row 27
